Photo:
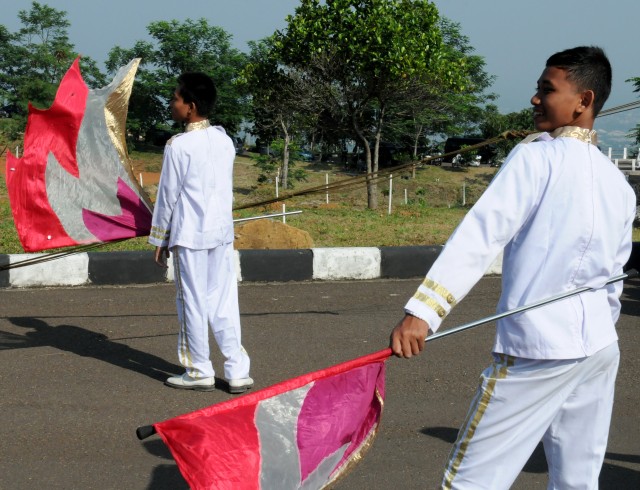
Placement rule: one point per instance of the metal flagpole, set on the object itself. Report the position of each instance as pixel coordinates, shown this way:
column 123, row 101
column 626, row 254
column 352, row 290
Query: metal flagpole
column 148, row 430
column 631, row 273
column 240, row 220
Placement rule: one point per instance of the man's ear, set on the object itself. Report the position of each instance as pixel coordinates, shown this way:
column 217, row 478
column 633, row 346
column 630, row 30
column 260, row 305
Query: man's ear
column 586, row 100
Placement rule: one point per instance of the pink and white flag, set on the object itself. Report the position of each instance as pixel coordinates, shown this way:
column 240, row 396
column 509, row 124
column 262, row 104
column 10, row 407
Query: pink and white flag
column 303, row 433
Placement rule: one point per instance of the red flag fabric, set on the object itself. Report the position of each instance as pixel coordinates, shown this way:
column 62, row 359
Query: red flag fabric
column 74, row 184
column 305, row 432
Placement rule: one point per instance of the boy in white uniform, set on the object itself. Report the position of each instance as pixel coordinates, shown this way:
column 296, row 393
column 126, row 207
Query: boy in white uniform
column 563, row 214
column 193, row 218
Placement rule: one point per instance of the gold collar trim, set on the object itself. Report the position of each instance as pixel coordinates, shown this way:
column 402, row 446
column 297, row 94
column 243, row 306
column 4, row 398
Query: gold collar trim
column 583, row 134
column 204, row 124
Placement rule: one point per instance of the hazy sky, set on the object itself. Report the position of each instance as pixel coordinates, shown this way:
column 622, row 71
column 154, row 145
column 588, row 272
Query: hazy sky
column 514, row 37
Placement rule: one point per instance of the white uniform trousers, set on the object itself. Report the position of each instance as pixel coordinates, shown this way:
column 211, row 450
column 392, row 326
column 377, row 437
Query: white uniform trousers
column 566, row 403
column 207, row 297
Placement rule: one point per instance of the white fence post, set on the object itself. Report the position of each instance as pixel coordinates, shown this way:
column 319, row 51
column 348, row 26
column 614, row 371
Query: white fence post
column 609, row 153
column 464, row 193
column 284, row 213
column 327, row 182
column 406, row 201
column 624, row 154
column 390, row 191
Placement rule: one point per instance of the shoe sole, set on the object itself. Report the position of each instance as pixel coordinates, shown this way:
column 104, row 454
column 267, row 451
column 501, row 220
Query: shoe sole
column 194, row 388
column 239, row 389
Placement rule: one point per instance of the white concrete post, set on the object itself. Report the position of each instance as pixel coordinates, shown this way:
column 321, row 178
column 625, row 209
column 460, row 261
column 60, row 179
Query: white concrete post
column 284, row 213
column 624, row 154
column 406, row 201
column 464, row 193
column 327, row 182
column 609, row 153
column 390, row 191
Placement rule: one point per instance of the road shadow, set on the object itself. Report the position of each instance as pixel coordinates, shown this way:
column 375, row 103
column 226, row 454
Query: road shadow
column 612, row 476
column 85, row 343
column 164, row 476
column 630, row 299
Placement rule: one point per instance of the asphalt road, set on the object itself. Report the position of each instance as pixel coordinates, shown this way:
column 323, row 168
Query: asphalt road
column 82, row 368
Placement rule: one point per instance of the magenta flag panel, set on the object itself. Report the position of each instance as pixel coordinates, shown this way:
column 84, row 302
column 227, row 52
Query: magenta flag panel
column 303, row 433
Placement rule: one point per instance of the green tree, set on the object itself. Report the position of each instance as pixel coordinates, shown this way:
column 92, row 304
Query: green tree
column 365, row 57
column 430, row 112
column 283, row 103
column 635, row 132
column 494, row 124
column 178, row 47
column 271, row 164
column 34, row 59
column 464, row 109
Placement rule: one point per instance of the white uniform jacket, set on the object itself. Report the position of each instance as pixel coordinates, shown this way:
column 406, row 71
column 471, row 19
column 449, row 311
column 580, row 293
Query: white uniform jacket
column 193, row 207
column 563, row 213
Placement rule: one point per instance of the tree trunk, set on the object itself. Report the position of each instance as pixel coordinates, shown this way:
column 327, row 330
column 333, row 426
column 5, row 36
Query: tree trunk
column 372, row 186
column 285, row 157
column 376, row 159
column 416, row 140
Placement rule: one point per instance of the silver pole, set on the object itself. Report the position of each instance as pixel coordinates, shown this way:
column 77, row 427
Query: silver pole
column 537, row 304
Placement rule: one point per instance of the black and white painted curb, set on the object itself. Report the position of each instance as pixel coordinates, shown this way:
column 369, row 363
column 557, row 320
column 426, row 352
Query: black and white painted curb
column 323, row 264
column 122, row 268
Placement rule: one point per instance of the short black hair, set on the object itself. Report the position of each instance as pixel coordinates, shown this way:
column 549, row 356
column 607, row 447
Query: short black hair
column 589, row 68
column 198, row 88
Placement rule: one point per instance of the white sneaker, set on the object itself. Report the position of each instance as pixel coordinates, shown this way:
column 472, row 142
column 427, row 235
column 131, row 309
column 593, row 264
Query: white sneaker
column 240, row 385
column 186, row 382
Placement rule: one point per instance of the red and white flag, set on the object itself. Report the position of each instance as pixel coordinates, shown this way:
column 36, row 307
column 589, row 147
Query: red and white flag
column 74, row 184
column 303, row 433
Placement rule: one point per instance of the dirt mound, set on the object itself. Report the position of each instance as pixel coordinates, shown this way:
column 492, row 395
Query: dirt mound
column 257, row 234
column 270, row 234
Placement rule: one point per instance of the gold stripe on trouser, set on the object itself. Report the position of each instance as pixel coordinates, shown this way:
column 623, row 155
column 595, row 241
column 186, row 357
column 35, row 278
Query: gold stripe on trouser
column 476, row 412
column 184, row 352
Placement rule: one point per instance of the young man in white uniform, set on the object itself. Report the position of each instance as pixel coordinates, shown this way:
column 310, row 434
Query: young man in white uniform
column 193, row 219
column 563, row 214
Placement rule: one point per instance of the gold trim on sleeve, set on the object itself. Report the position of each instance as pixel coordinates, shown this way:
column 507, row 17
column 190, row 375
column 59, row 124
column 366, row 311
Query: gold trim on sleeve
column 441, row 290
column 159, row 233
column 431, row 303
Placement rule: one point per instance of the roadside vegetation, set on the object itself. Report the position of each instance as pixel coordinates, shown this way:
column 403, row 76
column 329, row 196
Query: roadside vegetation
column 433, row 208
column 434, row 205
